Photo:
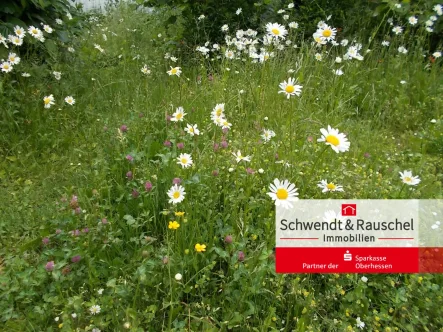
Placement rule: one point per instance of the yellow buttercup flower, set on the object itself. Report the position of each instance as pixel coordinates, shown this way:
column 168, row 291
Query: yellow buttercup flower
column 200, row 247
column 179, row 214
column 173, row 225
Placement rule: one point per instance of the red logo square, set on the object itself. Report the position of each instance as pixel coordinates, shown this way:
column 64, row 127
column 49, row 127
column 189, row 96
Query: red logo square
column 349, row 209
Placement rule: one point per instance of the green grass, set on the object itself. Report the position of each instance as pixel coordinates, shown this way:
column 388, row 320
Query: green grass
column 52, row 154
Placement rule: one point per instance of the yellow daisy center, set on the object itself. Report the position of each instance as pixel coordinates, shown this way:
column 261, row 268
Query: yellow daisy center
column 47, row 100
column 282, row 193
column 330, row 186
column 408, row 179
column 179, row 116
column 275, row 31
column 6, row 66
column 327, row 33
column 173, row 71
column 289, row 89
column 333, row 140
column 266, row 57
column 34, row 31
column 176, row 194
column 191, row 130
column 218, row 112
column 184, row 161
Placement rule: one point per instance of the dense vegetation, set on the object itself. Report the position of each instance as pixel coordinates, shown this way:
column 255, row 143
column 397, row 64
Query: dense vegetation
column 95, row 146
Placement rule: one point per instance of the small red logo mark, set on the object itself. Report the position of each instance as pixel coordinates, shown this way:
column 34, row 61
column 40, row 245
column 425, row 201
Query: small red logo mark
column 349, row 209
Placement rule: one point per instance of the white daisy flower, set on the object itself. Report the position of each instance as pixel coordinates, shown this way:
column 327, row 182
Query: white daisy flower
column 402, row 49
column 359, row 323
column 19, row 31
column 178, row 115
column 13, row 59
column 174, row 71
column 176, row 194
column 408, row 179
column 192, row 129
column 145, row 70
column 276, row 30
column 267, row 135
column 35, row 32
column 6, row 66
column 95, row 309
column 332, row 137
column 283, row 193
column 185, row 160
column 69, row 100
column 329, row 186
column 412, row 20
column 229, row 54
column 48, row 101
column 290, row 88
column 47, row 28
column 397, row 30
column 326, row 32
column 238, row 156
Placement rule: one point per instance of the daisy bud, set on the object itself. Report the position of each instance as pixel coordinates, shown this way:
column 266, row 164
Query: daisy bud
column 178, row 277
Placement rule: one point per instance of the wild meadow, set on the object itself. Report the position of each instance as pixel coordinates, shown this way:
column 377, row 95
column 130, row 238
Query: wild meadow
column 139, row 173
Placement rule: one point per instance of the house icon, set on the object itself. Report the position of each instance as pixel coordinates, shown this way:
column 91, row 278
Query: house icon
column 349, row 209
